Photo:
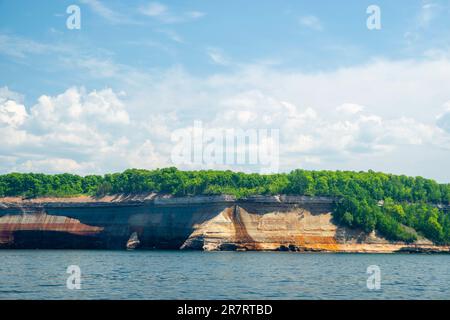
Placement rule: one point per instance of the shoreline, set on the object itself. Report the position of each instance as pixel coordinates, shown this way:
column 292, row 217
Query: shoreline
column 208, row 223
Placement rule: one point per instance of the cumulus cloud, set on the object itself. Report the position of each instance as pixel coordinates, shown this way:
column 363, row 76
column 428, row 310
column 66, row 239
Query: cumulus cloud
column 363, row 115
column 75, row 131
column 12, row 113
column 307, row 132
column 6, row 94
column 76, row 106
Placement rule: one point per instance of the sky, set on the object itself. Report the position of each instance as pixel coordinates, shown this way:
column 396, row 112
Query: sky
column 109, row 95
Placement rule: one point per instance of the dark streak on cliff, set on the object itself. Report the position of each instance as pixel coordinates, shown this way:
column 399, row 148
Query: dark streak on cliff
column 205, row 223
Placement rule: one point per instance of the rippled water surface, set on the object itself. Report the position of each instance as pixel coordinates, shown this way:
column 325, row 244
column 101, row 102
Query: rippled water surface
column 41, row 274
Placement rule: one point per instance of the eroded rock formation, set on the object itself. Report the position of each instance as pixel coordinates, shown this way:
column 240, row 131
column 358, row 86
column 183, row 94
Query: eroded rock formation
column 197, row 223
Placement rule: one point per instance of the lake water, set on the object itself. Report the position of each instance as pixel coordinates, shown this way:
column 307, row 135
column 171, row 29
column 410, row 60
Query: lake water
column 41, row 274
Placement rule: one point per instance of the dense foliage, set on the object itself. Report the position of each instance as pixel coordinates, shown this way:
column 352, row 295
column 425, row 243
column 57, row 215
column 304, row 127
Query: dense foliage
column 399, row 207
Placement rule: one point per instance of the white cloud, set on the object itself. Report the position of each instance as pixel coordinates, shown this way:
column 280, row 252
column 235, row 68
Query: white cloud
column 217, row 56
column 172, row 35
column 350, row 108
column 131, row 15
column 195, row 14
column 52, row 165
column 311, row 22
column 428, row 13
column 12, row 113
column 443, row 120
column 75, row 131
column 113, row 16
column 352, row 118
column 154, row 9
column 20, row 48
column 395, row 107
column 96, row 107
column 144, row 155
column 6, row 94
column 164, row 14
column 315, row 137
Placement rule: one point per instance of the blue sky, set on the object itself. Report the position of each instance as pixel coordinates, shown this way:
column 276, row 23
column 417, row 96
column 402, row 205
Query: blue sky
column 343, row 96
column 255, row 32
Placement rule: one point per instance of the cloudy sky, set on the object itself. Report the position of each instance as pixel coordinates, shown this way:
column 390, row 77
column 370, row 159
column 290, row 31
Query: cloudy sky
column 109, row 96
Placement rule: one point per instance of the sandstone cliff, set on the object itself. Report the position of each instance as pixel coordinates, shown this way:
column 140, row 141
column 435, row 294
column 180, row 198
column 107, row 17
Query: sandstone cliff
column 198, row 223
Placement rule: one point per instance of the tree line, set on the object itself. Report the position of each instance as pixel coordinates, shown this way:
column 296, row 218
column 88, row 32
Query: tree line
column 397, row 206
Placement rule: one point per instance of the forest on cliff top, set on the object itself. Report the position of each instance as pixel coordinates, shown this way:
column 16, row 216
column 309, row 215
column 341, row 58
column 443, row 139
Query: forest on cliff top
column 399, row 207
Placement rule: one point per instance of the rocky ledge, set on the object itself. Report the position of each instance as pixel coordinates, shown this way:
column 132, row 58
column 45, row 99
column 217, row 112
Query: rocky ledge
column 150, row 221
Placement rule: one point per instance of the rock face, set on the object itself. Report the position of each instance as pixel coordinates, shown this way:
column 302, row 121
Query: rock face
column 196, row 223
column 133, row 242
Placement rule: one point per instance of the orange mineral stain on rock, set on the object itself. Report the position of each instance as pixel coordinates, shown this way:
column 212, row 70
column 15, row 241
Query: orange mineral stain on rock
column 42, row 222
column 286, row 223
column 297, row 229
column 293, row 230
